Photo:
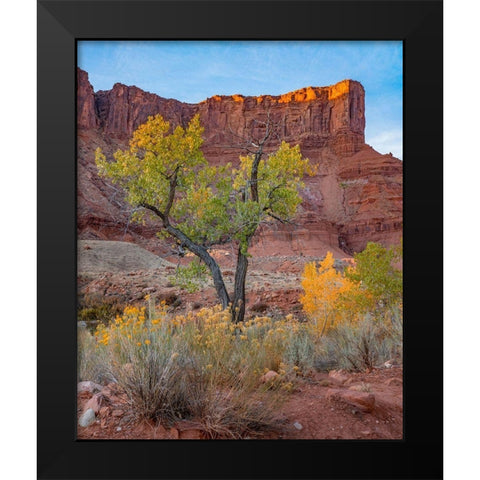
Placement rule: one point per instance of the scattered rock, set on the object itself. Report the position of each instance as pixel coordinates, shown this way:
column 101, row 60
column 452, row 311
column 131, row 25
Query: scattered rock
column 298, row 426
column 338, row 376
column 268, row 377
column 360, row 400
column 389, row 364
column 96, row 402
column 89, row 386
column 87, row 418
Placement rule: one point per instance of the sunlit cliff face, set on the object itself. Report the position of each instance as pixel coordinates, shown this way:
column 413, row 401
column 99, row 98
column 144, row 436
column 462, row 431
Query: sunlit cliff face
column 339, row 89
column 306, row 94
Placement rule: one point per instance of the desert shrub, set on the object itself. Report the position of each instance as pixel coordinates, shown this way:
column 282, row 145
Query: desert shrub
column 191, row 277
column 300, row 350
column 91, row 362
column 96, row 310
column 361, row 345
column 376, row 274
column 203, row 366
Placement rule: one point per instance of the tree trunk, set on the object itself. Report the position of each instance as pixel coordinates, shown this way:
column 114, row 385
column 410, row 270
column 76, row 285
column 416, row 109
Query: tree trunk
column 218, row 281
column 202, row 253
column 238, row 305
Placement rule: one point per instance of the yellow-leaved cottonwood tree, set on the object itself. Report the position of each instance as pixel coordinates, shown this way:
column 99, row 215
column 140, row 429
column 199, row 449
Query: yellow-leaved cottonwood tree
column 165, row 173
column 325, row 289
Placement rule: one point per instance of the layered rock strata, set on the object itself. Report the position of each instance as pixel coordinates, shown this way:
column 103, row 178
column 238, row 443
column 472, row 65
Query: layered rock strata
column 355, row 197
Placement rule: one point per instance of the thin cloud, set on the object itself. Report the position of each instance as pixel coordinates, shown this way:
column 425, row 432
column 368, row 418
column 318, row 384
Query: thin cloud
column 388, row 141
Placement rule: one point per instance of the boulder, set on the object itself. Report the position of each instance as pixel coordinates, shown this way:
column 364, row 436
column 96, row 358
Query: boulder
column 298, row 426
column 95, row 403
column 88, row 386
column 362, row 401
column 268, row 377
column 338, row 376
column 87, row 418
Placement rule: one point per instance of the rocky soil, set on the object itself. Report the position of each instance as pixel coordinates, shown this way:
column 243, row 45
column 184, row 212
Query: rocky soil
column 328, row 405
column 334, row 405
column 122, row 273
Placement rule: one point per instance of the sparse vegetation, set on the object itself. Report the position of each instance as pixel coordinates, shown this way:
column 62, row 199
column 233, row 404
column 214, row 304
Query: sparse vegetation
column 361, row 345
column 358, row 311
column 231, row 377
column 95, row 310
column 191, row 277
column 200, row 365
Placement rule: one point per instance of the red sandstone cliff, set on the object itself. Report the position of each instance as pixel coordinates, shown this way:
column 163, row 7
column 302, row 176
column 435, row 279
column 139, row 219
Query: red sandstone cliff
column 355, row 197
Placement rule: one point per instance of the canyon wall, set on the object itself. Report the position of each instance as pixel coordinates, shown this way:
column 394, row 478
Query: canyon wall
column 355, row 197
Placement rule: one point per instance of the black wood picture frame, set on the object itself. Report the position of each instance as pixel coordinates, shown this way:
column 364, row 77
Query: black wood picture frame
column 419, row 24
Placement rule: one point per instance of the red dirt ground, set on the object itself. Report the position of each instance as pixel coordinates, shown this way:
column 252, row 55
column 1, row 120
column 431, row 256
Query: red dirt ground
column 311, row 406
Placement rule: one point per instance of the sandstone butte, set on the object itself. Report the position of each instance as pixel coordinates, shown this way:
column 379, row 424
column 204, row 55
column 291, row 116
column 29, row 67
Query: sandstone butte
column 355, row 197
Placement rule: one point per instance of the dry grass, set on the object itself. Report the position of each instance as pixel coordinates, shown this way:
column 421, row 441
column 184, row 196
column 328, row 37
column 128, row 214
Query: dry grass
column 199, row 366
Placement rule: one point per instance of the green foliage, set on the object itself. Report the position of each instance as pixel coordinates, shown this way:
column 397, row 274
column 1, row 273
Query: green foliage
column 165, row 172
column 208, row 203
column 375, row 271
column 190, row 277
column 279, row 182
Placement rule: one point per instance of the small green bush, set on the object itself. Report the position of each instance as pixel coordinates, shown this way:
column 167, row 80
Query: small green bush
column 191, row 277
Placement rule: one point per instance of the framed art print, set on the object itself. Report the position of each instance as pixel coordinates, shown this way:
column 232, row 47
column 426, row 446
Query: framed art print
column 235, row 201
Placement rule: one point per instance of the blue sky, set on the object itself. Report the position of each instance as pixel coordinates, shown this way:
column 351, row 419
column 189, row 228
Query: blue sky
column 192, row 71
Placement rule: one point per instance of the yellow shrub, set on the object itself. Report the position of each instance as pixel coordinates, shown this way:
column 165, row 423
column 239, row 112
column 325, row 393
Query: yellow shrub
column 326, row 293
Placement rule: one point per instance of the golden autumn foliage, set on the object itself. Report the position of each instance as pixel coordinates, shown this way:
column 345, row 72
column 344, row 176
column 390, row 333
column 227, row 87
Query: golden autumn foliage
column 328, row 294
column 200, row 365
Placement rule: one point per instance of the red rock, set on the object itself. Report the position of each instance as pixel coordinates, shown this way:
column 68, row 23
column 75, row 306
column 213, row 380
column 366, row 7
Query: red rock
column 90, row 387
column 355, row 197
column 268, row 377
column 361, row 400
column 86, row 115
column 95, row 403
column 338, row 376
